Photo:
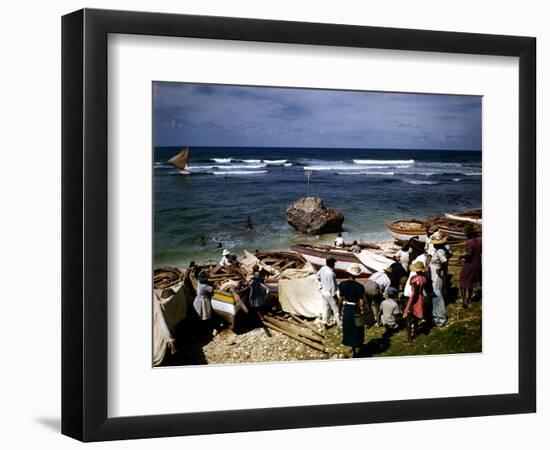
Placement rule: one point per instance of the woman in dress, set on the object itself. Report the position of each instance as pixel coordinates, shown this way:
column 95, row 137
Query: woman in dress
column 438, row 271
column 414, row 311
column 257, row 296
column 470, row 275
column 202, row 303
column 352, row 300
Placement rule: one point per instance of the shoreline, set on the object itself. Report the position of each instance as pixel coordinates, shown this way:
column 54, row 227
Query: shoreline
column 386, row 245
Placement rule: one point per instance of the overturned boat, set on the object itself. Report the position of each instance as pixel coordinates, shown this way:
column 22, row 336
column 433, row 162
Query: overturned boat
column 471, row 215
column 368, row 261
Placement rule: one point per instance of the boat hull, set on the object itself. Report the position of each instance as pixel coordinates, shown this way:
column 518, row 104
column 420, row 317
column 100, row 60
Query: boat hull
column 223, row 303
column 318, row 256
column 403, row 234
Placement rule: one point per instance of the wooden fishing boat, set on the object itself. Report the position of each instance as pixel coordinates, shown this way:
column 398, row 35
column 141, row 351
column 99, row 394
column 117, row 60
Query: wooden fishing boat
column 167, row 277
column 318, row 254
column 278, row 262
column 471, row 215
column 180, row 161
column 454, row 229
column 404, row 229
column 225, row 303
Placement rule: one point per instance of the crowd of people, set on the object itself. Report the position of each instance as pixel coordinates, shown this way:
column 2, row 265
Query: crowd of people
column 410, row 292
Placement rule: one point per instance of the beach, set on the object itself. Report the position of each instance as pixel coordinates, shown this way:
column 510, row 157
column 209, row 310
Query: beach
column 462, row 334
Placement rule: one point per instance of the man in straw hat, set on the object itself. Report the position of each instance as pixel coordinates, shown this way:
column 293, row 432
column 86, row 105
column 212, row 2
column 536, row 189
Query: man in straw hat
column 414, row 311
column 438, row 276
column 328, row 287
column 432, row 232
column 352, row 296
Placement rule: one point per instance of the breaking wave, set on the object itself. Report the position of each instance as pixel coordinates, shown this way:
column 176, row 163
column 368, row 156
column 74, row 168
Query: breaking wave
column 241, row 166
column 221, row 160
column 421, row 182
column 365, row 173
column 383, row 161
column 239, row 172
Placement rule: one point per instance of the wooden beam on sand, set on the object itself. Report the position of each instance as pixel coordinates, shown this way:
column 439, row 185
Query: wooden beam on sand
column 298, row 330
column 296, row 337
column 307, row 325
column 237, row 298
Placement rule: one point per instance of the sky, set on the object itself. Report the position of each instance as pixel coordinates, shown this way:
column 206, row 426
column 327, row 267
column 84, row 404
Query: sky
column 211, row 115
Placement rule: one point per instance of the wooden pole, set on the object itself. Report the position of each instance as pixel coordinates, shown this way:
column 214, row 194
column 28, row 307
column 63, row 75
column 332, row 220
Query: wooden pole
column 307, row 325
column 239, row 301
column 307, row 342
column 289, row 328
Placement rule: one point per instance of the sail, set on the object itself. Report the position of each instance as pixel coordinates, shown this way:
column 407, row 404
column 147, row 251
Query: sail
column 180, row 160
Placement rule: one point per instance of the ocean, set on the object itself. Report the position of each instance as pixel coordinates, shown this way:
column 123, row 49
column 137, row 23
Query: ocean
column 197, row 215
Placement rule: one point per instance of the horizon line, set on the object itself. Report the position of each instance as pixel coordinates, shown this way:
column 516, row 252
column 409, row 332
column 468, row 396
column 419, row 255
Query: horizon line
column 318, row 148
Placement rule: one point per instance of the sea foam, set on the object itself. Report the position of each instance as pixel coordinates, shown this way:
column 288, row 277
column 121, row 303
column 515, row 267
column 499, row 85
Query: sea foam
column 383, row 161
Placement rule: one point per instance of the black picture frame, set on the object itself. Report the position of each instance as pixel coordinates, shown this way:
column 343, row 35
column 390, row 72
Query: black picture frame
column 84, row 224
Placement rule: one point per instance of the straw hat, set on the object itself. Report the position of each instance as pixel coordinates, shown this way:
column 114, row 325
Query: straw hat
column 442, row 239
column 433, row 229
column 225, row 252
column 418, row 266
column 388, row 269
column 354, row 270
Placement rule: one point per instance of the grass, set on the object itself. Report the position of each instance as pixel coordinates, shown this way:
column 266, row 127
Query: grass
column 462, row 334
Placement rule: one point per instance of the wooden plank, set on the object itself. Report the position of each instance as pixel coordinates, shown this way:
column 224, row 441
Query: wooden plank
column 305, row 341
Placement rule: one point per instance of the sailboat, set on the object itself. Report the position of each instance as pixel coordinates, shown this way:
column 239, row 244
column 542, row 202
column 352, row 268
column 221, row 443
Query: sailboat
column 180, row 161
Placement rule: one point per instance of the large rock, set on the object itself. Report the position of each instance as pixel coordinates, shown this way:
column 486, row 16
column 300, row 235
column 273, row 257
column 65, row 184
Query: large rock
column 310, row 215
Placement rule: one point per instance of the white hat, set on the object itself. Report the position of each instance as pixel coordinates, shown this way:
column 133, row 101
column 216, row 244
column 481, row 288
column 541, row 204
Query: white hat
column 225, row 252
column 354, row 269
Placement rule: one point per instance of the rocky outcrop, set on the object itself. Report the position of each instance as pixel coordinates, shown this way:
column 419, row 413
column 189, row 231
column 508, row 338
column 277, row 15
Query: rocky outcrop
column 310, row 215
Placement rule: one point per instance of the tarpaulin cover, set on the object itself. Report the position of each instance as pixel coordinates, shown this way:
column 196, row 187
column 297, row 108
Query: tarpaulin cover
column 170, row 307
column 301, row 296
column 373, row 261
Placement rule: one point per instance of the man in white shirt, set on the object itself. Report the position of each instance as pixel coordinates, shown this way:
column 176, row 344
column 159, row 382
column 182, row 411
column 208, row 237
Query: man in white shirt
column 339, row 241
column 383, row 282
column 224, row 262
column 327, row 279
column 382, row 279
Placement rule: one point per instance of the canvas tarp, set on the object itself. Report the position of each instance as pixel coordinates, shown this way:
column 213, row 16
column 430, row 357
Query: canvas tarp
column 373, row 261
column 170, row 307
column 250, row 262
column 301, row 296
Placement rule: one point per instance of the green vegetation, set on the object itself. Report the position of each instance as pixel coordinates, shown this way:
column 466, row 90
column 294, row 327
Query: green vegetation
column 462, row 334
